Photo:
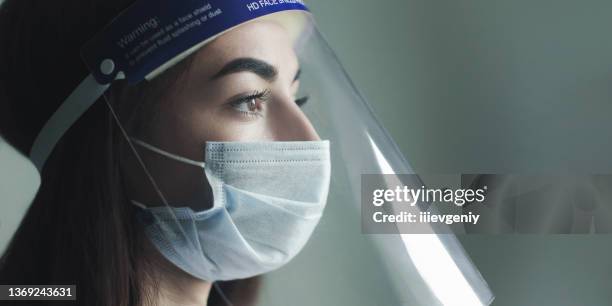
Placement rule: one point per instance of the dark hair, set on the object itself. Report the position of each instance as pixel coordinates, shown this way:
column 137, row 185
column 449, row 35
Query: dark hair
column 79, row 229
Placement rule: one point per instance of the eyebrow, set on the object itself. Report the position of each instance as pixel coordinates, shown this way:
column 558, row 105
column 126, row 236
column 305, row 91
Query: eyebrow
column 259, row 67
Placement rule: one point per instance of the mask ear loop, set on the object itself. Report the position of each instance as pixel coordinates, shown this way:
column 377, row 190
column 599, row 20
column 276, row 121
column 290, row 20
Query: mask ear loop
column 225, row 299
column 147, row 173
column 168, row 154
column 133, row 149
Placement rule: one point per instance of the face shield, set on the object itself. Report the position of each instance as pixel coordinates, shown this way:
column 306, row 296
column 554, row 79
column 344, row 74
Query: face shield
column 248, row 157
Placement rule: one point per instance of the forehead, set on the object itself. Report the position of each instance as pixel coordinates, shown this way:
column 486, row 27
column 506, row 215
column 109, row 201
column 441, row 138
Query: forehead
column 264, row 40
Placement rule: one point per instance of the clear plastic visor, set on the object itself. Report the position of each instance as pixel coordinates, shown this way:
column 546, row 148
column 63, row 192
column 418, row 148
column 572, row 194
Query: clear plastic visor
column 253, row 120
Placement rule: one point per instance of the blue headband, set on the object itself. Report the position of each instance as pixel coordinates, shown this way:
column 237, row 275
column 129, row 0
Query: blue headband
column 144, row 40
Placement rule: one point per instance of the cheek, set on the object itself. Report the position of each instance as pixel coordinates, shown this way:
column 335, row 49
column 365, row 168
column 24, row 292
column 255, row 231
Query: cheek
column 224, row 125
column 187, row 124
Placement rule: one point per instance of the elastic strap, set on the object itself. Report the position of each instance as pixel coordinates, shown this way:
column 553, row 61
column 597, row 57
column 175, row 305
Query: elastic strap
column 167, row 154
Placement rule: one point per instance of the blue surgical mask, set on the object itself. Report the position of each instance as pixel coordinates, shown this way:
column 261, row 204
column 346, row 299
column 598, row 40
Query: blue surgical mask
column 268, row 198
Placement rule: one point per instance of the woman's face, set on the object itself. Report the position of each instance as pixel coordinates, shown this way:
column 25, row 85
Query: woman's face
column 241, row 87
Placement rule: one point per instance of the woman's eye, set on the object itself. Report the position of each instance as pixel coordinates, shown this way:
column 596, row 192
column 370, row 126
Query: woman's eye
column 301, row 101
column 252, row 104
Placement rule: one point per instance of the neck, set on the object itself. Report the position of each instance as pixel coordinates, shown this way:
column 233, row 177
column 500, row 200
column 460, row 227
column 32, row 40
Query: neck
column 183, row 292
column 176, row 287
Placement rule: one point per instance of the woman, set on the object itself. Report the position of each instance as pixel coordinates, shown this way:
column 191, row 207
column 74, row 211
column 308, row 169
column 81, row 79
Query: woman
column 85, row 225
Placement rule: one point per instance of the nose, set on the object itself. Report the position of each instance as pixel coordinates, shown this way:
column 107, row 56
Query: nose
column 289, row 123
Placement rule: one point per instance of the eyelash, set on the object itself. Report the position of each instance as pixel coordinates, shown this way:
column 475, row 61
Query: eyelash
column 301, row 101
column 263, row 97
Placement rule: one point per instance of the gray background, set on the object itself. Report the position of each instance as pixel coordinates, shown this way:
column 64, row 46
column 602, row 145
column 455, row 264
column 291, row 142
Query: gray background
column 491, row 87
column 481, row 87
